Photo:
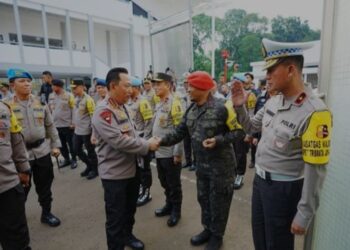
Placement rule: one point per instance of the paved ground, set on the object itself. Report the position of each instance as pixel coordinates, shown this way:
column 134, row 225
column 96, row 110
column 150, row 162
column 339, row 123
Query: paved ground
column 79, row 204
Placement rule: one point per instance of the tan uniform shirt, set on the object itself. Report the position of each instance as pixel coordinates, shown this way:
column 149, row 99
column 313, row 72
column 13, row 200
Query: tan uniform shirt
column 14, row 157
column 167, row 116
column 283, row 122
column 37, row 123
column 83, row 111
column 141, row 113
column 117, row 141
column 61, row 107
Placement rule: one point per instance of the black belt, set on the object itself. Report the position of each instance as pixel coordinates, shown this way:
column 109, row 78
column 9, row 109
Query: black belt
column 35, row 144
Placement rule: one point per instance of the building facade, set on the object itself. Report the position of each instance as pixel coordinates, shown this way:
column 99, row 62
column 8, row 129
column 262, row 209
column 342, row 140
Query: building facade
column 73, row 38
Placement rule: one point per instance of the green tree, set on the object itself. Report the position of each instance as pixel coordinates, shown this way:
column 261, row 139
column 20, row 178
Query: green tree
column 292, row 29
column 241, row 36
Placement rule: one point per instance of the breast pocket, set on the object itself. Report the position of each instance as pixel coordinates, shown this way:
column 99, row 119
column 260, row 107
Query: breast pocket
column 210, row 127
column 39, row 118
column 284, row 140
column 4, row 131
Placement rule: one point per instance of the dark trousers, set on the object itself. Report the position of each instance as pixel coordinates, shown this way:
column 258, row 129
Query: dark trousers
column 14, row 233
column 241, row 148
column 90, row 159
column 169, row 177
column 274, row 205
column 120, row 204
column 214, row 195
column 66, row 137
column 252, row 152
column 188, row 150
column 42, row 174
column 146, row 172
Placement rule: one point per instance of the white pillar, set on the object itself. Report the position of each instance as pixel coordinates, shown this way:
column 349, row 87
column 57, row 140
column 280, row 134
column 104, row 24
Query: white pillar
column 46, row 36
column 92, row 45
column 69, row 37
column 18, row 30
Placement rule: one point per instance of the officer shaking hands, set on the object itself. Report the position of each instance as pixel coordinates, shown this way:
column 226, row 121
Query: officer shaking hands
column 118, row 146
column 212, row 127
column 293, row 151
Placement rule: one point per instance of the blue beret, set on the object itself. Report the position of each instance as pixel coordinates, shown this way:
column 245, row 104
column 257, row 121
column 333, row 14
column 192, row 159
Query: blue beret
column 136, row 82
column 239, row 78
column 14, row 73
column 101, row 82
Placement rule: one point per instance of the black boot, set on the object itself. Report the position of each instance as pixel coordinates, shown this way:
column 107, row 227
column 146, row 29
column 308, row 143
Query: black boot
column 48, row 218
column 214, row 243
column 201, row 238
column 85, row 172
column 65, row 163
column 166, row 210
column 144, row 198
column 134, row 243
column 92, row 174
column 174, row 216
column 74, row 164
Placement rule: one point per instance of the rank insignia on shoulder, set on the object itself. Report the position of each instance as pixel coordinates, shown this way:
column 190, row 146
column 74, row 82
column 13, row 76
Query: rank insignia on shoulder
column 300, row 98
column 107, row 116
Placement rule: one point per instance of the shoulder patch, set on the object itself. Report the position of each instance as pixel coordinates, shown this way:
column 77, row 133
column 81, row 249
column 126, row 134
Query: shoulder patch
column 231, row 121
column 316, row 139
column 107, row 116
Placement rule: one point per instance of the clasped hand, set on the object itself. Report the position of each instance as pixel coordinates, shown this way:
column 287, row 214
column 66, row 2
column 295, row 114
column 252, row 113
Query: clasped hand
column 154, row 143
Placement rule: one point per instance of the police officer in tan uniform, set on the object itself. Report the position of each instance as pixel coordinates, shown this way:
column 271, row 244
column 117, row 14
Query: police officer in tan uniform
column 148, row 92
column 61, row 104
column 40, row 136
column 14, row 172
column 118, row 146
column 83, row 111
column 141, row 113
column 293, row 151
column 167, row 116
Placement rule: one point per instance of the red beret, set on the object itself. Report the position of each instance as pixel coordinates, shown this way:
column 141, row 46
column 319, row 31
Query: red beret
column 200, row 80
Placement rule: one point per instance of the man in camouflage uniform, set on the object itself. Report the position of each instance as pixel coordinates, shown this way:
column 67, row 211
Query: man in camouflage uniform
column 83, row 111
column 40, row 136
column 293, row 151
column 167, row 116
column 213, row 127
column 141, row 113
column 61, row 104
column 14, row 172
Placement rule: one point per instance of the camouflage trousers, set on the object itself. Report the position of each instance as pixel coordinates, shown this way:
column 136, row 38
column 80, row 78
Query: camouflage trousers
column 214, row 195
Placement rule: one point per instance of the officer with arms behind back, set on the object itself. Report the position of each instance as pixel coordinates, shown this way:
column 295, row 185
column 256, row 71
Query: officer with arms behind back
column 293, row 151
column 83, row 111
column 61, row 104
column 13, row 164
column 213, row 127
column 118, row 145
column 40, row 136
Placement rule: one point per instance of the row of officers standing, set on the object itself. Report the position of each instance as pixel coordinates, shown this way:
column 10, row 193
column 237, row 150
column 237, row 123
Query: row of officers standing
column 125, row 129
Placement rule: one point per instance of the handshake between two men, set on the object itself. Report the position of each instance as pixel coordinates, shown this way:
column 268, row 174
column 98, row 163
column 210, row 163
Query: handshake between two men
column 154, row 143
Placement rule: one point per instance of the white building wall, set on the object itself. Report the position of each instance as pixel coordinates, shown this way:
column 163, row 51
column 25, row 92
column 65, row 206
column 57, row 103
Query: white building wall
column 80, row 34
column 111, row 9
column 101, row 43
column 332, row 222
column 7, row 21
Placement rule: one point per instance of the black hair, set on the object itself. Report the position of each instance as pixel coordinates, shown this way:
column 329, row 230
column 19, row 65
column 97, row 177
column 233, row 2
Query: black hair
column 263, row 82
column 298, row 61
column 114, row 75
column 249, row 74
column 48, row 73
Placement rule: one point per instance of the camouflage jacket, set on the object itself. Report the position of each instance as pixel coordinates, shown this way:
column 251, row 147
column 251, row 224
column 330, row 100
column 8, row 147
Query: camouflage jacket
column 202, row 122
